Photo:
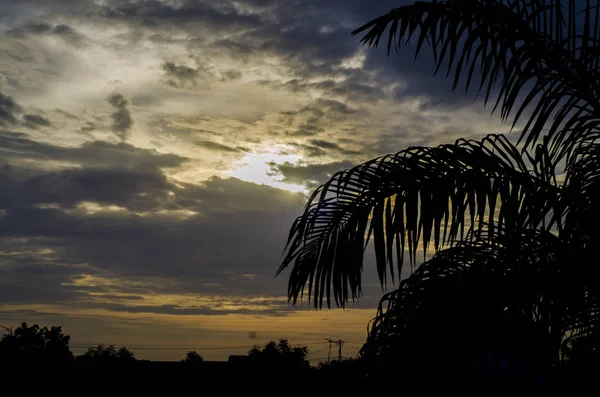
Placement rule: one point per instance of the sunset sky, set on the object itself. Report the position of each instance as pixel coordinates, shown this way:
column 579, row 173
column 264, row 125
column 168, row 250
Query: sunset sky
column 153, row 155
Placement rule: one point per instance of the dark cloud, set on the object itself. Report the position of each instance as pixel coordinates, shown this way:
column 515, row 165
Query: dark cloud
column 35, row 121
column 8, row 108
column 30, row 28
column 66, row 114
column 306, row 130
column 68, row 34
column 27, row 278
column 146, row 100
column 355, row 90
column 122, row 121
column 180, row 72
column 230, row 195
column 182, row 76
column 88, row 127
column 329, row 109
column 216, row 146
column 320, row 147
column 189, row 14
column 309, row 175
column 323, row 144
column 63, row 31
column 140, row 224
column 308, row 150
column 189, row 254
column 283, row 309
column 16, row 147
column 358, row 87
column 137, row 190
column 312, row 119
column 231, row 74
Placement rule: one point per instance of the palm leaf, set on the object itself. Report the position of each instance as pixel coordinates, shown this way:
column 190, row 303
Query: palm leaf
column 475, row 284
column 531, row 47
column 415, row 198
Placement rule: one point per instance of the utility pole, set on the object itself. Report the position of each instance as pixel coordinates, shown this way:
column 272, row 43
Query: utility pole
column 337, row 342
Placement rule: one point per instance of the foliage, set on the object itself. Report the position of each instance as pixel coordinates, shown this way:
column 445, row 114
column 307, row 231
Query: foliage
column 107, row 355
column 192, row 357
column 346, row 367
column 583, row 352
column 280, row 352
column 512, row 225
column 34, row 344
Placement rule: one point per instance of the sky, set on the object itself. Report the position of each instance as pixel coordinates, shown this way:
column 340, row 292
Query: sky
column 154, row 154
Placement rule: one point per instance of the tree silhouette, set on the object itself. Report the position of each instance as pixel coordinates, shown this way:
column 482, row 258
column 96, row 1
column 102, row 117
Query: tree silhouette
column 103, row 355
column 34, row 345
column 279, row 353
column 512, row 225
column 193, row 358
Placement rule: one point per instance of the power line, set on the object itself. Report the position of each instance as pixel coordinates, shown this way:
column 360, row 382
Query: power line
column 330, row 342
column 172, row 348
column 158, row 347
column 318, row 351
column 325, row 358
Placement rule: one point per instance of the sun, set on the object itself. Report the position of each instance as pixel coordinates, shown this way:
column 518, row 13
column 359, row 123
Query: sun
column 254, row 167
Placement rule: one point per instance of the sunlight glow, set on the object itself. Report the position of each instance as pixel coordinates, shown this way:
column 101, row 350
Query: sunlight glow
column 254, row 167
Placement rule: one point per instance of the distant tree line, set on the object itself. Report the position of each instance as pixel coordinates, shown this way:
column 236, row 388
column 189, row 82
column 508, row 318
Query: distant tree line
column 279, row 353
column 34, row 344
column 284, row 364
column 28, row 344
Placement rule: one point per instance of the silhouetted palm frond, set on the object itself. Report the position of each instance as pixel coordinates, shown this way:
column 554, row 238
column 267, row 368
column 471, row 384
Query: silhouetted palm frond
column 466, row 294
column 515, row 243
column 582, row 193
column 415, row 197
column 547, row 49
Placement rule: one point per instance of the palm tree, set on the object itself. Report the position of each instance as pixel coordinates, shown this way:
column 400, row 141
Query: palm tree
column 512, row 225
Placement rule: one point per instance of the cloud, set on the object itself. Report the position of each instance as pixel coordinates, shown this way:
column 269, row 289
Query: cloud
column 18, row 147
column 231, row 74
column 323, row 144
column 137, row 190
column 216, row 146
column 122, row 121
column 182, row 246
column 111, row 211
column 181, row 72
column 182, row 76
column 321, row 111
column 34, row 121
column 8, row 108
column 68, row 34
column 309, row 175
column 65, row 32
column 282, row 310
column 205, row 78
